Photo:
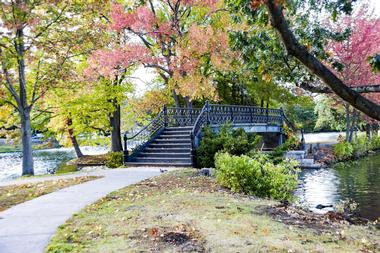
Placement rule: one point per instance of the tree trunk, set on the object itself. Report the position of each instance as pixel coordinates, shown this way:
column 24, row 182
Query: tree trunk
column 73, row 138
column 24, row 109
column 353, row 125
column 294, row 48
column 115, row 121
column 26, row 137
column 189, row 104
column 75, row 143
column 176, row 99
column 347, row 107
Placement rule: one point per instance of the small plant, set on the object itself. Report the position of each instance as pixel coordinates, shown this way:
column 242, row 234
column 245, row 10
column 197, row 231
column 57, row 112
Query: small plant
column 256, row 176
column 235, row 142
column 115, row 160
column 343, row 150
column 346, row 207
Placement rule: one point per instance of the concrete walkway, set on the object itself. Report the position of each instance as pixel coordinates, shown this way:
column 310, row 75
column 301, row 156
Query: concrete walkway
column 28, row 227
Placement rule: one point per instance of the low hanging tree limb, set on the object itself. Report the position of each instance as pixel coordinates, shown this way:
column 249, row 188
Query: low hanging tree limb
column 295, row 49
column 325, row 90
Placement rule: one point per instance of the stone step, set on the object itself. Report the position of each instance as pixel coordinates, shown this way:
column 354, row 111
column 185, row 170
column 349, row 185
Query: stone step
column 166, row 150
column 174, row 136
column 164, row 154
column 176, row 132
column 187, row 128
column 170, row 145
column 161, row 160
column 306, row 161
column 138, row 164
column 185, row 141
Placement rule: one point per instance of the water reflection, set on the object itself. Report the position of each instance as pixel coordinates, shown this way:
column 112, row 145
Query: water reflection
column 45, row 161
column 359, row 180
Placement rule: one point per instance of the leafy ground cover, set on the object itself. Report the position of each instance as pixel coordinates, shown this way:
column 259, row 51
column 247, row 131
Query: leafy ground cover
column 15, row 194
column 181, row 211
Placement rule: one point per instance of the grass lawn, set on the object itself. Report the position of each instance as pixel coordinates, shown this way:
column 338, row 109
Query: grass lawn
column 15, row 194
column 6, row 148
column 182, row 212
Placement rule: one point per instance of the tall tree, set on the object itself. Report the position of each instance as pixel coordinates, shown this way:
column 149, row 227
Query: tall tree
column 298, row 48
column 350, row 56
column 152, row 33
column 37, row 38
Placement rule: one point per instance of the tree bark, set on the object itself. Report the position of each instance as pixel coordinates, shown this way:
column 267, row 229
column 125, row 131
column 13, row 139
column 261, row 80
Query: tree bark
column 26, row 138
column 23, row 107
column 348, row 117
column 176, row 99
column 115, row 122
column 353, row 125
column 294, row 48
column 188, row 102
column 73, row 139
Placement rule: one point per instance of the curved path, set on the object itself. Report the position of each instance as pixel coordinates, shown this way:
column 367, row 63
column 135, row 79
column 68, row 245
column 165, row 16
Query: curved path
column 28, row 227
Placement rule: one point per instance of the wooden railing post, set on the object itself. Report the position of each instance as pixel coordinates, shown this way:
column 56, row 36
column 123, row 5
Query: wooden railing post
column 125, row 148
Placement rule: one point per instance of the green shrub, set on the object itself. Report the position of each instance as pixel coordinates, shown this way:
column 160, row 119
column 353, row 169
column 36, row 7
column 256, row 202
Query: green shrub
column 343, row 150
column 360, row 146
column 256, row 176
column 115, row 160
column 375, row 143
column 235, row 142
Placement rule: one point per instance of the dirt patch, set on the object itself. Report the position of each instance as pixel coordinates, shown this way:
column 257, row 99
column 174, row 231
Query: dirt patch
column 182, row 238
column 296, row 216
column 90, row 160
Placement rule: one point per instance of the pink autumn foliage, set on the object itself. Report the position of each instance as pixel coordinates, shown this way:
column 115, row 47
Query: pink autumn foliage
column 354, row 52
column 141, row 19
column 108, row 62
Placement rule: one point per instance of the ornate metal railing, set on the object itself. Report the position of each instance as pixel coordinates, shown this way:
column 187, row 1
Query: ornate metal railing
column 137, row 141
column 209, row 114
column 236, row 114
column 182, row 116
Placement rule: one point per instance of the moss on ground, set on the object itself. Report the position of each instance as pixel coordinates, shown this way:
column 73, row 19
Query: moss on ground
column 182, row 212
column 15, row 194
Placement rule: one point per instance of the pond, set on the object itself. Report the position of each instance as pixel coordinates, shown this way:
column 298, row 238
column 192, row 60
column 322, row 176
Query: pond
column 45, row 161
column 358, row 180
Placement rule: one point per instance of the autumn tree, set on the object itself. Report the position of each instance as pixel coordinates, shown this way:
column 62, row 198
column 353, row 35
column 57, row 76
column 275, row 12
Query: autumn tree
column 37, row 39
column 350, row 56
column 261, row 12
column 168, row 36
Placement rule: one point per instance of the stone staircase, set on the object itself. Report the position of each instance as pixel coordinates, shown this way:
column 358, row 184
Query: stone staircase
column 304, row 162
column 172, row 147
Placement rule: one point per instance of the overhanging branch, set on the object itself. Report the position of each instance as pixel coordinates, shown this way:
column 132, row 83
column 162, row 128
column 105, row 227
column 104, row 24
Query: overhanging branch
column 298, row 51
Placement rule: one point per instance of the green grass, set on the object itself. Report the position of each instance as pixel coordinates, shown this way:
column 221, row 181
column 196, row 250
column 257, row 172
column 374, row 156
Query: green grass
column 6, row 148
column 15, row 194
column 143, row 218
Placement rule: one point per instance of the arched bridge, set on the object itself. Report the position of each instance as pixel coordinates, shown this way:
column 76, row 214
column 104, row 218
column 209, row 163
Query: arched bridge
column 173, row 136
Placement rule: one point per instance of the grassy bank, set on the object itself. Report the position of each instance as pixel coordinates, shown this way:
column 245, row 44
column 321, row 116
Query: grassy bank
column 15, row 194
column 182, row 212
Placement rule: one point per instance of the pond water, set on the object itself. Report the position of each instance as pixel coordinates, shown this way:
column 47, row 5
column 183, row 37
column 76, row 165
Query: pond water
column 358, row 180
column 45, row 161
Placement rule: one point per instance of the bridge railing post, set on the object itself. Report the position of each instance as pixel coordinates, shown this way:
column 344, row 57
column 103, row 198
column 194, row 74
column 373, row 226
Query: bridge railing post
column 232, row 114
column 281, row 117
column 207, row 112
column 165, row 116
column 125, row 152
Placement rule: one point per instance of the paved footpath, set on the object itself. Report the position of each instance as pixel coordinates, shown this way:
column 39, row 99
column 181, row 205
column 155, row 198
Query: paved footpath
column 28, row 227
